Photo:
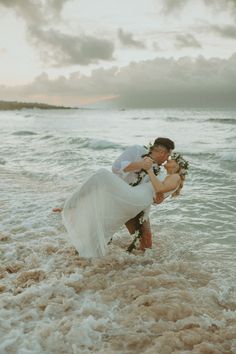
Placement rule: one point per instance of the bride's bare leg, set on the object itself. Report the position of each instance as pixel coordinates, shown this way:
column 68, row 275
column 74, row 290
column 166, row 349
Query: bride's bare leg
column 57, row 210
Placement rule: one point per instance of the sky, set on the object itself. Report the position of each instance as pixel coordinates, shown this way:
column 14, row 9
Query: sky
column 124, row 54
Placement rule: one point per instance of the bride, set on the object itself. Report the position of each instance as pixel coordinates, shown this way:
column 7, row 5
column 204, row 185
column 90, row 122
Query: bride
column 103, row 203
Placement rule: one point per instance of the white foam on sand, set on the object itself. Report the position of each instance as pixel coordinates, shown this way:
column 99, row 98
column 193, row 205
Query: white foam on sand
column 53, row 301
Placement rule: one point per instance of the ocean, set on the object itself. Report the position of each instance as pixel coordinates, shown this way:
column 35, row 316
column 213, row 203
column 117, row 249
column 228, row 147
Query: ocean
column 178, row 297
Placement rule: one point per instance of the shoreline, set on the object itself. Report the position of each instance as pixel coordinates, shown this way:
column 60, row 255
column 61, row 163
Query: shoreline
column 14, row 105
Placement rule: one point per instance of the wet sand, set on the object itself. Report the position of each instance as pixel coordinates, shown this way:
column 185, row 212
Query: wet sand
column 54, row 301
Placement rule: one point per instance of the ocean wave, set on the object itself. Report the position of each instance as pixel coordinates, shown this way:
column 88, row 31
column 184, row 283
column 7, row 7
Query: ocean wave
column 2, row 162
column 224, row 156
column 95, row 144
column 170, row 305
column 231, row 138
column 222, row 120
column 24, row 132
column 228, row 156
column 42, row 176
column 211, row 120
column 205, row 155
column 174, row 119
column 45, row 137
column 141, row 118
column 201, row 142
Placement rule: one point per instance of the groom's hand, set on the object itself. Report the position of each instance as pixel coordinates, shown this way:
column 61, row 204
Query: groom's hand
column 147, row 163
column 159, row 197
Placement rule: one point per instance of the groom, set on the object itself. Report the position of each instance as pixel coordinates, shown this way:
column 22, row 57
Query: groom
column 130, row 166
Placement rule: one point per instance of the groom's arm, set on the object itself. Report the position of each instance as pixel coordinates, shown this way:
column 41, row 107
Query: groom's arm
column 138, row 165
column 129, row 160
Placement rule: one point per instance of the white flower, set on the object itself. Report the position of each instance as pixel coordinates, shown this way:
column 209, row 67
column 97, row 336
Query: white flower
column 181, row 161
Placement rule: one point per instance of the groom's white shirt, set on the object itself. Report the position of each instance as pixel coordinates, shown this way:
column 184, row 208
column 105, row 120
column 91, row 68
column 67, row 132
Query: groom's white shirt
column 132, row 154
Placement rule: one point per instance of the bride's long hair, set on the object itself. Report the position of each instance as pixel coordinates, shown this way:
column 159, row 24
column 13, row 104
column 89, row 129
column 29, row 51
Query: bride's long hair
column 177, row 191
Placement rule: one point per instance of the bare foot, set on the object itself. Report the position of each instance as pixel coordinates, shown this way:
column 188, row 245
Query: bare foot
column 57, row 210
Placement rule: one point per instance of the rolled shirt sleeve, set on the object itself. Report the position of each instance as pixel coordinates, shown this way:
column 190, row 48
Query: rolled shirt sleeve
column 130, row 155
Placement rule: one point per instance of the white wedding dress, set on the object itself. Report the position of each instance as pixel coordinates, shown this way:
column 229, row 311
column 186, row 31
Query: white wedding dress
column 99, row 207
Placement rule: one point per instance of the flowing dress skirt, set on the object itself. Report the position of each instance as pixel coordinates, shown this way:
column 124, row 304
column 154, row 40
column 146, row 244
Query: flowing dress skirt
column 99, row 207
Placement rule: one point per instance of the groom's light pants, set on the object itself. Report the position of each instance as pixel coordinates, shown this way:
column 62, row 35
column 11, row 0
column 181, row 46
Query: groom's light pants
column 146, row 235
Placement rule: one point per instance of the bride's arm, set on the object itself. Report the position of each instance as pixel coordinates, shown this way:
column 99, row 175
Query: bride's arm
column 169, row 183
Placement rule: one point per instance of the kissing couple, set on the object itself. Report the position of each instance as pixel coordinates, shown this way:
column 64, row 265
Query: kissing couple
column 107, row 200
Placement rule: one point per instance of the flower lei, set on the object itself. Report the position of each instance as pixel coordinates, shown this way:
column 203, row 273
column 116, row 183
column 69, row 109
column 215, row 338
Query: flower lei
column 142, row 173
column 137, row 236
column 184, row 165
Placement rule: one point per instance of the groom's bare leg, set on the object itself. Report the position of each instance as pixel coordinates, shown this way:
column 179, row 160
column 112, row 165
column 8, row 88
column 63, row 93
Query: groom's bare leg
column 133, row 224
column 146, row 236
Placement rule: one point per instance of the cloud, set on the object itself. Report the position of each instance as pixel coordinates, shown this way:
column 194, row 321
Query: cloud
column 62, row 49
column 187, row 40
column 229, row 5
column 25, row 9
column 36, row 13
column 184, row 82
column 176, row 6
column 227, row 31
column 156, row 46
column 169, row 6
column 127, row 40
column 161, row 82
column 55, row 47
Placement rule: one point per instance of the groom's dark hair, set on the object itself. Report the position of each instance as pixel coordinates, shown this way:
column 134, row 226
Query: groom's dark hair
column 165, row 142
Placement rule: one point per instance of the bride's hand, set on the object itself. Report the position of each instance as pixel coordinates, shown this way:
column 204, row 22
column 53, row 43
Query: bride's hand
column 147, row 163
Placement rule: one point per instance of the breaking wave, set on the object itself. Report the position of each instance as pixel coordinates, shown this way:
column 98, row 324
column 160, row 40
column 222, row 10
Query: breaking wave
column 95, row 144
column 222, row 120
column 24, row 132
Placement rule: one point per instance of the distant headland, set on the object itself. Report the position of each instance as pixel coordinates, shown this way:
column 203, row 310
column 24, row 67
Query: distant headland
column 14, row 105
